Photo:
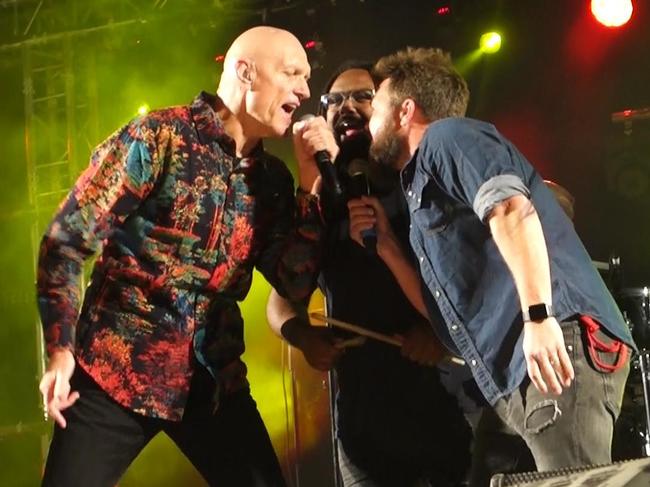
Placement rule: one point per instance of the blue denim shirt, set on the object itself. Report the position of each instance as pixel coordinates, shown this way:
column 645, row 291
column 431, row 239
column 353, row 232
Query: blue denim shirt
column 461, row 169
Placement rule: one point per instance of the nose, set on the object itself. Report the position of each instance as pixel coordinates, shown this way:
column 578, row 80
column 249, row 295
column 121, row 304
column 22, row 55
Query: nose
column 302, row 90
column 348, row 105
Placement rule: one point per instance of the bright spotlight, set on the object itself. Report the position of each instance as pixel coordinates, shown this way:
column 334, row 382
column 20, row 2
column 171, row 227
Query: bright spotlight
column 490, row 42
column 612, row 13
column 143, row 109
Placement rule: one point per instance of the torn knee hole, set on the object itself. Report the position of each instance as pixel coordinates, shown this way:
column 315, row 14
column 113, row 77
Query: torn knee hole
column 541, row 416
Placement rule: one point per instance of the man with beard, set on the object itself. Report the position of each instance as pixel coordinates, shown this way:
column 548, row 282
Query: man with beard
column 183, row 203
column 395, row 424
column 509, row 285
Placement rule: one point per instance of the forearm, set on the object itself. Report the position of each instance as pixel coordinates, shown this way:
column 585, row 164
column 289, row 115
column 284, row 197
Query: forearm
column 404, row 272
column 291, row 260
column 285, row 318
column 518, row 234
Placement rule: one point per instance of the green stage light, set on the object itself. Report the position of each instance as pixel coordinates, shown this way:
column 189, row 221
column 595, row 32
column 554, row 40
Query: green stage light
column 490, row 42
column 143, row 109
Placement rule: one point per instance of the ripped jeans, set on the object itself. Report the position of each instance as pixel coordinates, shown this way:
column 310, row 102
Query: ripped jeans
column 575, row 428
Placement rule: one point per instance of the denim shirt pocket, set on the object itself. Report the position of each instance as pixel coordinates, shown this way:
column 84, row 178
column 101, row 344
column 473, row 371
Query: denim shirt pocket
column 430, row 210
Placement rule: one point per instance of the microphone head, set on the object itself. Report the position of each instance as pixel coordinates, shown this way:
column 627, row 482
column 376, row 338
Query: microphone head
column 358, row 166
column 298, row 125
column 358, row 183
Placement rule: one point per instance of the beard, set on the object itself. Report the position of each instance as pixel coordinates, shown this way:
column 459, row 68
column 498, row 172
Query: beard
column 387, row 147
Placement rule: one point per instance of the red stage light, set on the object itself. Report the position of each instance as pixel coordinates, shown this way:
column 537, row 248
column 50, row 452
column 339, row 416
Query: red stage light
column 612, row 13
column 443, row 10
column 219, row 58
column 310, row 44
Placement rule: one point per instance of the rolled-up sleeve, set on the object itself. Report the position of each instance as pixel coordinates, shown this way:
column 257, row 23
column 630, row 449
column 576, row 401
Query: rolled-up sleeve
column 495, row 190
column 473, row 164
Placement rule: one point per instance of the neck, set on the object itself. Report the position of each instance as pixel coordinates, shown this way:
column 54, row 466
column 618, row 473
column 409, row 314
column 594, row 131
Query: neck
column 415, row 136
column 234, row 127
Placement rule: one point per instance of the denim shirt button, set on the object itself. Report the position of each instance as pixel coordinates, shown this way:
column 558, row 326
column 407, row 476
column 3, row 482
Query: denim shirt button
column 437, row 293
column 569, row 348
column 454, row 327
column 410, row 193
column 473, row 362
column 421, row 259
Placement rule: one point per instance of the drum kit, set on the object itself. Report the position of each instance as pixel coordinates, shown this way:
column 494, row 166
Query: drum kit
column 632, row 432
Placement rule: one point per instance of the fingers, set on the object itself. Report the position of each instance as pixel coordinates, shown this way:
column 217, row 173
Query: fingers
column 548, row 363
column 316, row 187
column 420, row 346
column 536, row 376
column 60, row 386
column 565, row 368
column 549, row 376
column 46, row 387
column 55, row 389
column 319, row 348
column 314, row 135
column 363, row 216
column 551, row 372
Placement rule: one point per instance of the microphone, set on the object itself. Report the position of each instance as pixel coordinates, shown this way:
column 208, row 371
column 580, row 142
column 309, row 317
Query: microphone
column 327, row 169
column 358, row 187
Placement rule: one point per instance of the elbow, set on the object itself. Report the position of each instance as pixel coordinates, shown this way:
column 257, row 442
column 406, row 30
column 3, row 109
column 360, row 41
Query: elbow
column 516, row 208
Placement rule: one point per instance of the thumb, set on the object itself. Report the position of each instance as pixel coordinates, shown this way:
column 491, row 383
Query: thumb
column 298, row 127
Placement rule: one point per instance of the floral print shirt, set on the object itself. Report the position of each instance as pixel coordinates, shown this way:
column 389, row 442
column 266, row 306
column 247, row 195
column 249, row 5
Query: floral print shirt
column 180, row 222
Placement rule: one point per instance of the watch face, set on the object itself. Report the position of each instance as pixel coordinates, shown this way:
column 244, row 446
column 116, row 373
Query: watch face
column 539, row 312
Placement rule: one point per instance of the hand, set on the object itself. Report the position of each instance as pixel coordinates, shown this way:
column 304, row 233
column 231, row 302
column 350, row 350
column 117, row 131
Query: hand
column 319, row 346
column 365, row 213
column 55, row 385
column 421, row 345
column 548, row 363
column 311, row 136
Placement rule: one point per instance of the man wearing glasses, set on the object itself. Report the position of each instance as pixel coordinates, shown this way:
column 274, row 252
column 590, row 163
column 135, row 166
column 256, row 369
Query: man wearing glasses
column 395, row 424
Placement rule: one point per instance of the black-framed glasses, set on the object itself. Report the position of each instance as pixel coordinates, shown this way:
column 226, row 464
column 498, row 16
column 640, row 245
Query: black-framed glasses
column 336, row 99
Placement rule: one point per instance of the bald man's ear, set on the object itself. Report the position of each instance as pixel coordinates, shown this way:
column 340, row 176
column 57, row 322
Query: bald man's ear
column 245, row 71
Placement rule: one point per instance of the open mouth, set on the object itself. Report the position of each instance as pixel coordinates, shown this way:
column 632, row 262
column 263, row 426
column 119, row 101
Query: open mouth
column 289, row 108
column 348, row 127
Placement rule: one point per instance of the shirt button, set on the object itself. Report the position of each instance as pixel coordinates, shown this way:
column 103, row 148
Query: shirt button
column 421, row 259
column 437, row 293
column 569, row 348
column 410, row 193
column 473, row 362
column 454, row 327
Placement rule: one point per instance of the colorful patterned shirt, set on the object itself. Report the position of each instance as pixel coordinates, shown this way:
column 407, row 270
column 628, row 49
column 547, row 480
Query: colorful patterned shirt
column 180, row 222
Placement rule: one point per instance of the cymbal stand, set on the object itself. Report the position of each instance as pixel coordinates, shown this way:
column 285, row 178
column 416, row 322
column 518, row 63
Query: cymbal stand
column 644, row 365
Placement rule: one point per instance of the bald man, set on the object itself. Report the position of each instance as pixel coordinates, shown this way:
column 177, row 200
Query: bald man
column 181, row 205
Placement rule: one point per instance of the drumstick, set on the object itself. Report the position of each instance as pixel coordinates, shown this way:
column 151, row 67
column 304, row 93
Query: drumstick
column 359, row 330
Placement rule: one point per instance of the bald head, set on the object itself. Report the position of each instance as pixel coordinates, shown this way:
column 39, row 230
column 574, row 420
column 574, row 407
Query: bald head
column 259, row 43
column 264, row 80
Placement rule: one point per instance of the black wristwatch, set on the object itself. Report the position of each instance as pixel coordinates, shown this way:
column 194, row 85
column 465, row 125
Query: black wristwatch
column 537, row 312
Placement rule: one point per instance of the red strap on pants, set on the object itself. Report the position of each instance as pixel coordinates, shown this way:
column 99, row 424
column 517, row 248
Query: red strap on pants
column 597, row 345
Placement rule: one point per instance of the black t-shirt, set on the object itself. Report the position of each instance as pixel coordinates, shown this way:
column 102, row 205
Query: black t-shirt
column 394, row 418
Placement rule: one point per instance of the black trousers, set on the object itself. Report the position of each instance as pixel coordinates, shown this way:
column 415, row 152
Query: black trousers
column 229, row 447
